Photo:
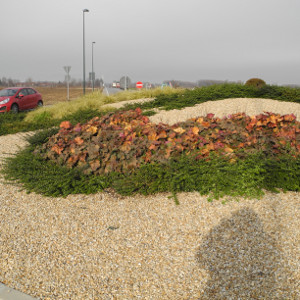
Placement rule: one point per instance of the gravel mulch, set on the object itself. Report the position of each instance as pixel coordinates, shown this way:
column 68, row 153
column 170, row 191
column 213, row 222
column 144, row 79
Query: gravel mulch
column 105, row 246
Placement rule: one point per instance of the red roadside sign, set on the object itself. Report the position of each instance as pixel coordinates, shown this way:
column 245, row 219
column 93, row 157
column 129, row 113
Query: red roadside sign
column 139, row 85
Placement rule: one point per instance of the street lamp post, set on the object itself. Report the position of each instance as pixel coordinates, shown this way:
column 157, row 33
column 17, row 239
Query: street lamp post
column 93, row 75
column 85, row 10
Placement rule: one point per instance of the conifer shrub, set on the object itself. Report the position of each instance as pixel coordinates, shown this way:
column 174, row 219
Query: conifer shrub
column 255, row 82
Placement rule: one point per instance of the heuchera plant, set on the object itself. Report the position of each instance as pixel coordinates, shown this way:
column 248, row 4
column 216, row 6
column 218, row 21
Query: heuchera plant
column 123, row 141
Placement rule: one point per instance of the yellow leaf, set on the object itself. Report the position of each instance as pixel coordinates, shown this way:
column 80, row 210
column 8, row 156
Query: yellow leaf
column 152, row 136
column 273, row 119
column 228, row 150
column 195, row 130
column 179, row 130
column 128, row 127
column 92, row 129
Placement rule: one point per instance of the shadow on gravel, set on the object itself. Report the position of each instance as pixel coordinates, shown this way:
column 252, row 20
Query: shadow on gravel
column 243, row 261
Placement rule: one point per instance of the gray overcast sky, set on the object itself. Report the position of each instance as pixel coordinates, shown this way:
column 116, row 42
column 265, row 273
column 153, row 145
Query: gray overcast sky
column 152, row 40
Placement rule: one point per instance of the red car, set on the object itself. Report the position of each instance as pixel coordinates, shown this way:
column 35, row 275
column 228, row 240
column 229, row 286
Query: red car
column 16, row 99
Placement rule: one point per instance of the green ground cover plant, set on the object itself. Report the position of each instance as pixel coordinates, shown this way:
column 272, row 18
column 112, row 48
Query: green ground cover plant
column 188, row 98
column 235, row 156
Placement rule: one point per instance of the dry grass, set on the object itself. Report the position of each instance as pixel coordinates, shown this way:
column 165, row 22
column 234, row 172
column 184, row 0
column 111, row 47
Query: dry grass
column 92, row 100
column 53, row 95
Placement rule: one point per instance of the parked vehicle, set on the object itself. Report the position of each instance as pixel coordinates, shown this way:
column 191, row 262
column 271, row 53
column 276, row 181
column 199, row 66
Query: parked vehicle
column 17, row 99
column 116, row 84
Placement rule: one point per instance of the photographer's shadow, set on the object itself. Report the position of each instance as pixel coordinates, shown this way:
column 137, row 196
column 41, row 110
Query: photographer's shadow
column 241, row 259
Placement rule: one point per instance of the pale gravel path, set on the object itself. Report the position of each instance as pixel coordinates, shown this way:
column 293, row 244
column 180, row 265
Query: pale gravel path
column 221, row 108
column 104, row 246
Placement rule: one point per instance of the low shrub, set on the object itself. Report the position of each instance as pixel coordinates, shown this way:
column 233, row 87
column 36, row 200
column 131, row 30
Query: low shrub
column 123, row 141
column 189, row 98
column 255, row 82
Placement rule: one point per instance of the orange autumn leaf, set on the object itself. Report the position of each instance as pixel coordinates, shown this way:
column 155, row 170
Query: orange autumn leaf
column 195, row 130
column 228, row 150
column 152, row 147
column 179, row 130
column 162, row 135
column 57, row 149
column 92, row 129
column 72, row 160
column 78, row 140
column 205, row 124
column 168, row 152
column 289, row 118
column 179, row 147
column 148, row 156
column 282, row 142
column 126, row 146
column 152, row 136
column 65, row 125
column 210, row 146
column 128, row 127
column 273, row 119
column 199, row 120
column 204, row 151
column 95, row 164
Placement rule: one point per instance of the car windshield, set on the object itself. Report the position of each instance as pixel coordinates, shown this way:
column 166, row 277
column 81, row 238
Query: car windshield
column 7, row 92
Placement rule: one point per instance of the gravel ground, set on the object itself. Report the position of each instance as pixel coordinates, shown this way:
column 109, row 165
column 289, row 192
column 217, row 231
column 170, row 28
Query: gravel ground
column 104, row 246
column 122, row 103
column 221, row 108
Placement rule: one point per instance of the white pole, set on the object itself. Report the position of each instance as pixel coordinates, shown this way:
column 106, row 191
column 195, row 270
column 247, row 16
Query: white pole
column 84, row 10
column 67, row 69
column 68, row 93
column 93, row 77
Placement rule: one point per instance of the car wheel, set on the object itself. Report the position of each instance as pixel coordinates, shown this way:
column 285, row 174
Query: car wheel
column 14, row 108
column 40, row 103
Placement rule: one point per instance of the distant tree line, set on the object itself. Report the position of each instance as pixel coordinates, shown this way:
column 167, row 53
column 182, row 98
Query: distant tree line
column 125, row 82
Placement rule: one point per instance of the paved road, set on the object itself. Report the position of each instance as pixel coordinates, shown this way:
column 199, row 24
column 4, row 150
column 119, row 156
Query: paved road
column 7, row 293
column 110, row 91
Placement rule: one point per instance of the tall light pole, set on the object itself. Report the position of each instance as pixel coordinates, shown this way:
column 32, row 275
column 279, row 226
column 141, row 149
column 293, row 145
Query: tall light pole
column 84, row 11
column 93, row 75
